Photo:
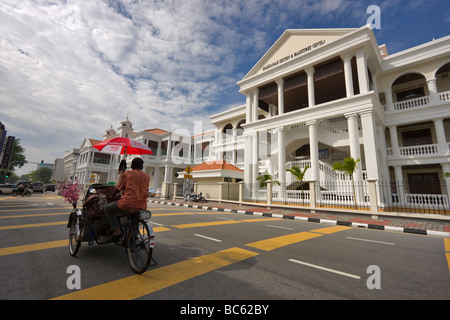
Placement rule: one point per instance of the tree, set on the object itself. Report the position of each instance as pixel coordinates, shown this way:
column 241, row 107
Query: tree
column 349, row 166
column 43, row 175
column 264, row 178
column 17, row 156
column 299, row 175
column 17, row 159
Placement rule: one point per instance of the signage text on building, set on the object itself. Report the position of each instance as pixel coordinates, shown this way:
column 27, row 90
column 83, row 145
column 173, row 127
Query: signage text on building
column 294, row 54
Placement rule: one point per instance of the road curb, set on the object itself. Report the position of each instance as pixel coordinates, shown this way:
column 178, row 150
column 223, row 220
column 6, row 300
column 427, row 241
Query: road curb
column 314, row 220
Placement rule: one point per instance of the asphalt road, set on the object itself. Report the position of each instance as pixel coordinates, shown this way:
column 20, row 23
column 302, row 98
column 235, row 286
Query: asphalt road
column 208, row 255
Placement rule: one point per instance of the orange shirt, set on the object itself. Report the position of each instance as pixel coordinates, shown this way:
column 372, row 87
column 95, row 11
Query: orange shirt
column 134, row 186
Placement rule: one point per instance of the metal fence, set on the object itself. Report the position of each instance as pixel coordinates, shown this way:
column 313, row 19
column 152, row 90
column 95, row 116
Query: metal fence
column 397, row 197
column 390, row 196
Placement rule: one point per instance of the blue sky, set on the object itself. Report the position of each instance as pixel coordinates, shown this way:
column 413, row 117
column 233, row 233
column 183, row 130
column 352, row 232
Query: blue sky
column 70, row 69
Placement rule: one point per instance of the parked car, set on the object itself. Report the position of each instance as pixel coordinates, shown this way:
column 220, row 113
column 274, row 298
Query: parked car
column 38, row 187
column 151, row 192
column 50, row 187
column 7, row 188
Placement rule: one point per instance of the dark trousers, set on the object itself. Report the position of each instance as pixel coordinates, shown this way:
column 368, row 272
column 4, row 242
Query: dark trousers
column 111, row 211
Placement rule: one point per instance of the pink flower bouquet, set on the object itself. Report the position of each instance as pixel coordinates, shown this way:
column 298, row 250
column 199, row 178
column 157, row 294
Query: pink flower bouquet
column 71, row 192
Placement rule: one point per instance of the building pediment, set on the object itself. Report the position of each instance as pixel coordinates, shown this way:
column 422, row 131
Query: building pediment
column 293, row 44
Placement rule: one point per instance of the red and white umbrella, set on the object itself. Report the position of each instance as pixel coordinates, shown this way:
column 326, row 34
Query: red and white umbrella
column 124, row 146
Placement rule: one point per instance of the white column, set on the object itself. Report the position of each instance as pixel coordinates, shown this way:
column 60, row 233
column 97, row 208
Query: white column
column 156, row 177
column 311, row 97
column 314, row 153
column 440, row 135
column 166, row 173
column 370, row 146
column 384, row 169
column 400, row 184
column 389, row 100
column 353, row 136
column 255, row 163
column 394, row 141
column 169, row 150
column 446, row 168
column 432, row 89
column 281, row 162
column 280, row 83
column 233, row 150
column 348, row 75
column 363, row 76
column 255, row 107
column 248, row 174
column 248, row 110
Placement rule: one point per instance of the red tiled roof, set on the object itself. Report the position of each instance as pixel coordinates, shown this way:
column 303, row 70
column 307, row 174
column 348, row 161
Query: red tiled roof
column 216, row 165
column 94, row 142
column 157, row 131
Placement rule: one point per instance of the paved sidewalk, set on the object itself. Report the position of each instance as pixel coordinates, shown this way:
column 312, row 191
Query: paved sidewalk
column 431, row 227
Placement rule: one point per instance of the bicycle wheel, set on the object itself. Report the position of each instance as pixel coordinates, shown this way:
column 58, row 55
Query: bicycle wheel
column 139, row 246
column 74, row 236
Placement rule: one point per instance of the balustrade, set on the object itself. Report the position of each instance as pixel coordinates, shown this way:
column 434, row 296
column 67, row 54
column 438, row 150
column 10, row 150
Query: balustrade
column 444, row 96
column 413, row 103
column 421, row 150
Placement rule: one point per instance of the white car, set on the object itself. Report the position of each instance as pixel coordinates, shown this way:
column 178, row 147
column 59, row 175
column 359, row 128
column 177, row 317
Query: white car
column 7, row 188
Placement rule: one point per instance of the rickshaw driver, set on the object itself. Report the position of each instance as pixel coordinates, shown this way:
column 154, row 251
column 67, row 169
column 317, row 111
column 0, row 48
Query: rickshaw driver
column 134, row 186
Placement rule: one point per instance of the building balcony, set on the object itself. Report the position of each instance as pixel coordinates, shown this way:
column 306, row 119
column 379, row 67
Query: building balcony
column 417, row 103
column 419, row 151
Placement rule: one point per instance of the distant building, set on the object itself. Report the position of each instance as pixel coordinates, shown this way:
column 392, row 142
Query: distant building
column 171, row 155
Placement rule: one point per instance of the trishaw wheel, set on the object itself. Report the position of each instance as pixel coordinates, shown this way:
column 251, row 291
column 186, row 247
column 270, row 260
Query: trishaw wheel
column 139, row 250
column 74, row 233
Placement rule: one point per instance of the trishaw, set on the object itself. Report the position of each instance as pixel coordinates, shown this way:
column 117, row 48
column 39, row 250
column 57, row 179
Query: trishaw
column 90, row 224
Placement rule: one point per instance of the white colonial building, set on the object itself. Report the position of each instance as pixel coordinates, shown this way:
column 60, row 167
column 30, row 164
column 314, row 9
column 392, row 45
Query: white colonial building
column 319, row 96
column 172, row 153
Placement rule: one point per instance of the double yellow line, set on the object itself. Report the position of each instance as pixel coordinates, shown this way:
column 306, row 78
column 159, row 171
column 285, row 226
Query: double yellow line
column 137, row 286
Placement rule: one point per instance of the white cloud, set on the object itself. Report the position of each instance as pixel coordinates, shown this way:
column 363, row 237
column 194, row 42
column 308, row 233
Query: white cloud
column 71, row 68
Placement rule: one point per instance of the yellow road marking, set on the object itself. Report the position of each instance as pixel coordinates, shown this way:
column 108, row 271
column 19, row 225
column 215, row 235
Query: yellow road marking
column 21, row 226
column 139, row 285
column 330, row 230
column 34, row 215
column 448, row 260
column 278, row 242
column 172, row 214
column 33, row 247
column 160, row 229
column 30, row 205
column 447, row 254
column 48, row 245
column 35, row 209
column 204, row 224
column 447, row 244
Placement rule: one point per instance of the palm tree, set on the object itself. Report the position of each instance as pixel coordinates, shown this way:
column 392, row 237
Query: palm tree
column 299, row 175
column 264, row 178
column 349, row 166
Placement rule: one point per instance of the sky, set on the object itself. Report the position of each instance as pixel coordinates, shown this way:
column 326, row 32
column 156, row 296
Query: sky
column 70, row 69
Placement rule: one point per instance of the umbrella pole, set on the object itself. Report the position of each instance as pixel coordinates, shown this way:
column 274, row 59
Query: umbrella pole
column 124, row 159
